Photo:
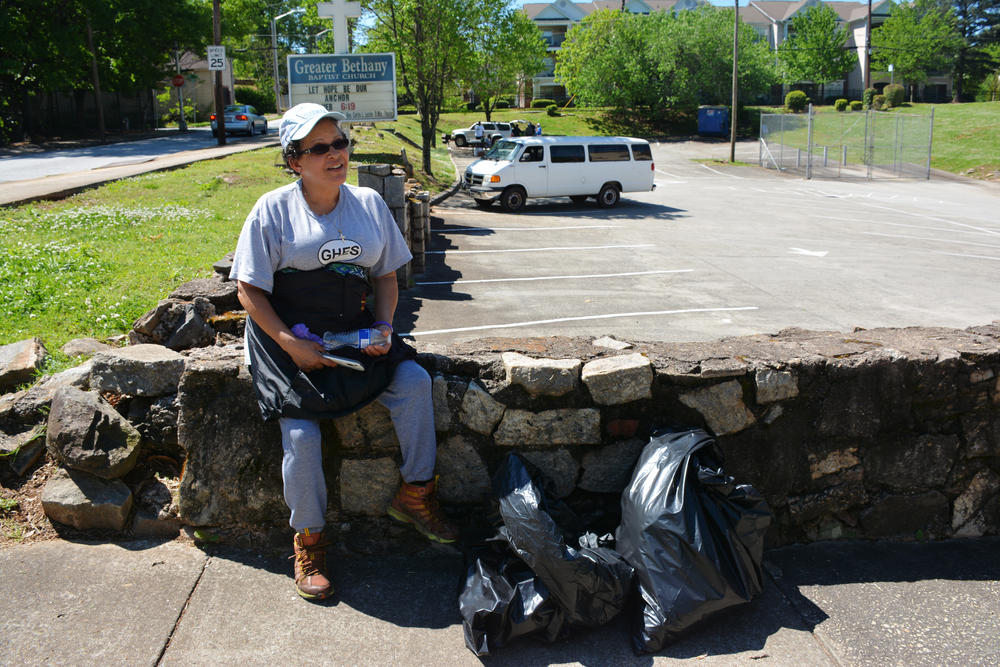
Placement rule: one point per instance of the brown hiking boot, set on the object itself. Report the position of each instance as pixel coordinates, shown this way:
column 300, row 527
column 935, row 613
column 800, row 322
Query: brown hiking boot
column 418, row 505
column 310, row 566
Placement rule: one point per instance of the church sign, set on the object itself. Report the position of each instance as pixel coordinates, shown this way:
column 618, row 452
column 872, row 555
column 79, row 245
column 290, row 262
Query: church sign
column 362, row 86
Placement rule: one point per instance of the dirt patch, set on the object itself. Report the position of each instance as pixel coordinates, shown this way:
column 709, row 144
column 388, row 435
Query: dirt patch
column 25, row 522
column 984, row 172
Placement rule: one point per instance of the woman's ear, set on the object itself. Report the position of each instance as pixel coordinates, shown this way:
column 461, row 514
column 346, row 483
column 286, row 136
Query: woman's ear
column 295, row 165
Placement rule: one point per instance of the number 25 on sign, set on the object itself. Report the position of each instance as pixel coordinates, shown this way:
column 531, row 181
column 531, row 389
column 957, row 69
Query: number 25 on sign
column 216, row 58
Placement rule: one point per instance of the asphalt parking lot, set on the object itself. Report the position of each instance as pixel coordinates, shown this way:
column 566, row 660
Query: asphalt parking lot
column 713, row 251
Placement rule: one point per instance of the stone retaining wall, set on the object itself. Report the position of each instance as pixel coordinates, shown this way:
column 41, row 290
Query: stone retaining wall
column 878, row 433
column 890, row 432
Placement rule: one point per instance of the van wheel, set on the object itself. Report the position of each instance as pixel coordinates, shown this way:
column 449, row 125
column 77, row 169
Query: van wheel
column 512, row 198
column 484, row 203
column 460, row 141
column 578, row 199
column 608, row 196
column 253, row 130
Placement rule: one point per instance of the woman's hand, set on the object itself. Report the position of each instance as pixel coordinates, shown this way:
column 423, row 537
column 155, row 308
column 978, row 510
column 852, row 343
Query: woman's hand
column 307, row 354
column 379, row 350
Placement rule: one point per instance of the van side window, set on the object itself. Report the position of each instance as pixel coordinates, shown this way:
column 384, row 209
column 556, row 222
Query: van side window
column 642, row 152
column 533, row 154
column 608, row 153
column 566, row 153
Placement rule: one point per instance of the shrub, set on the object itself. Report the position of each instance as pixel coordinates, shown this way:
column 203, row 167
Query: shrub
column 878, row 103
column 501, row 104
column 867, row 97
column 541, row 103
column 406, row 109
column 895, row 95
column 472, row 106
column 857, row 105
column 263, row 101
column 552, row 110
column 796, row 100
column 841, row 104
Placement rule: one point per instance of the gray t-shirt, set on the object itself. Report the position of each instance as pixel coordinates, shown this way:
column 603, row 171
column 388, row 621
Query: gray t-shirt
column 282, row 231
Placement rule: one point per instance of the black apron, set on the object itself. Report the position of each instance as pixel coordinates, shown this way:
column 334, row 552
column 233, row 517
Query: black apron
column 323, row 300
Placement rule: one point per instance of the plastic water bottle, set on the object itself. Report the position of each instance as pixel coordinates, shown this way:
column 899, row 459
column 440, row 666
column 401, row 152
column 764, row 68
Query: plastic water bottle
column 360, row 338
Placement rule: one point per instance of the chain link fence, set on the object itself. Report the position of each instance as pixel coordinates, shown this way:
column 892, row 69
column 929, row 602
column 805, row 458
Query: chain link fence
column 869, row 144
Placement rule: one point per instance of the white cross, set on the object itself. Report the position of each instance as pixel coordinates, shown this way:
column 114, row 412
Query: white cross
column 339, row 11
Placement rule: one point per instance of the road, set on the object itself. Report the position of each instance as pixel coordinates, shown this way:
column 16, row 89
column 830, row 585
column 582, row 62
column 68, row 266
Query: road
column 714, row 251
column 37, row 165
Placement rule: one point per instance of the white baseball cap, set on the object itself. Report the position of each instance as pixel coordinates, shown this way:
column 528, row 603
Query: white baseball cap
column 300, row 120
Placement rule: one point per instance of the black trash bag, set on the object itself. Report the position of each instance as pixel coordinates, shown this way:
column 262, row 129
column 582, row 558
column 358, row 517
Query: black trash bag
column 534, row 584
column 502, row 600
column 590, row 584
column 694, row 536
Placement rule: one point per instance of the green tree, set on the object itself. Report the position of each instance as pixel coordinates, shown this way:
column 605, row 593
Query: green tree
column 662, row 62
column 916, row 39
column 130, row 43
column 431, row 40
column 979, row 26
column 816, row 48
column 506, row 46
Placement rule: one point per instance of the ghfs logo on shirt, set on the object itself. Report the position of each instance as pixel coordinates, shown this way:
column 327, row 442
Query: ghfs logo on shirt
column 339, row 250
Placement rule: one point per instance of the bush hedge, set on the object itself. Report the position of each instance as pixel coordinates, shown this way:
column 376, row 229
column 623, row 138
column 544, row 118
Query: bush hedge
column 868, row 96
column 857, row 105
column 552, row 110
column 260, row 100
column 895, row 95
column 878, row 103
column 840, row 104
column 541, row 103
column 796, row 100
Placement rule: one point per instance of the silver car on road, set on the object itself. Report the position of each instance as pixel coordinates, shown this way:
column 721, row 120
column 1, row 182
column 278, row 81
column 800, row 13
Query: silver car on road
column 241, row 118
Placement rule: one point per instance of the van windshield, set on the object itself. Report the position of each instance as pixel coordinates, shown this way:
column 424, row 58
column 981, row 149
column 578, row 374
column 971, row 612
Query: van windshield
column 502, row 150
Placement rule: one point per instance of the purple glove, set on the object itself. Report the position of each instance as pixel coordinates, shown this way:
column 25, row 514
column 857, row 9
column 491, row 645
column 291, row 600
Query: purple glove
column 302, row 331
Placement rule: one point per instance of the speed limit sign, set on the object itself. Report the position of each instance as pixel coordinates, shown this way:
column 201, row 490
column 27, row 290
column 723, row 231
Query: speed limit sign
column 216, row 58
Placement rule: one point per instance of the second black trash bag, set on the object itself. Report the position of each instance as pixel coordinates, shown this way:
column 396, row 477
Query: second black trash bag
column 591, row 585
column 694, row 536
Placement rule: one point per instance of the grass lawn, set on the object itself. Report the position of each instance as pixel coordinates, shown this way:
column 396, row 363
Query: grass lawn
column 91, row 264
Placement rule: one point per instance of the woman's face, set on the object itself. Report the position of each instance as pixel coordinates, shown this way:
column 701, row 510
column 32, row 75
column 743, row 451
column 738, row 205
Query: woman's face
column 328, row 170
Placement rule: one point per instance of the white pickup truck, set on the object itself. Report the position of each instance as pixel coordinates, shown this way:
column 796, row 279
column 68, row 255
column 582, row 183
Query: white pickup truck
column 467, row 136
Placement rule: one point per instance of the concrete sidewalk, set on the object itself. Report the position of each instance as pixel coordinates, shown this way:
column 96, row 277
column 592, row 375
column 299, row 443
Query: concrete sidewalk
column 831, row 603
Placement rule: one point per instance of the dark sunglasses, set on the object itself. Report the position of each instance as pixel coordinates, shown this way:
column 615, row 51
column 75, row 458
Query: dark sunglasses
column 323, row 149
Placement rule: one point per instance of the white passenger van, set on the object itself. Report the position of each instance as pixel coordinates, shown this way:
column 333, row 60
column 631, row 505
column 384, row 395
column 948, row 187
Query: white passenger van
column 552, row 166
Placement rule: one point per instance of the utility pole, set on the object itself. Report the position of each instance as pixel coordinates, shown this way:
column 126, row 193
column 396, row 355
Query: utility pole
column 868, row 48
column 736, row 53
column 220, row 105
column 96, row 80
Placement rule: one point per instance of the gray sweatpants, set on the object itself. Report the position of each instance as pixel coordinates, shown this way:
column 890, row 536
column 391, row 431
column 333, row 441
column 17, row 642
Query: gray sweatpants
column 408, row 398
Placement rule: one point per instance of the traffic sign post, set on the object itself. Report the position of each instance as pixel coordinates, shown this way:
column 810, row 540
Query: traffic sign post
column 216, row 58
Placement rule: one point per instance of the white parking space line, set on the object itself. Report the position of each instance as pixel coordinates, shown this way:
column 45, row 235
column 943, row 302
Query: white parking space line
column 580, row 318
column 936, row 219
column 552, row 249
column 590, row 275
column 464, row 230
column 720, row 173
column 902, row 224
column 928, row 238
column 958, row 254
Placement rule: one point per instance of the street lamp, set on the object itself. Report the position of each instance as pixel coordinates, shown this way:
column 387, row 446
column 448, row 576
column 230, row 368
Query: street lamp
column 313, row 38
column 274, row 51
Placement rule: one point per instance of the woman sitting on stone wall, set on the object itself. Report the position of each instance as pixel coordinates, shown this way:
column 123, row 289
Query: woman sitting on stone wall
column 311, row 253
